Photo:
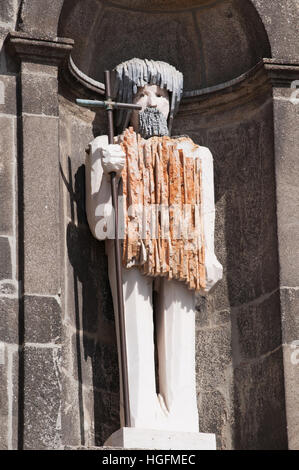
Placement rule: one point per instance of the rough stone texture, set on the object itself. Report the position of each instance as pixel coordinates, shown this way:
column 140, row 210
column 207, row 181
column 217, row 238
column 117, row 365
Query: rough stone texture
column 8, row 100
column 289, row 314
column 42, row 408
column 9, row 320
column 41, row 223
column 42, row 319
column 7, row 151
column 291, row 364
column 38, row 90
column 193, row 38
column 8, row 288
column 287, row 176
column 256, row 328
column 5, row 259
column 4, row 400
column 9, row 398
column 281, row 26
column 260, row 421
column 46, row 26
column 91, row 353
column 7, row 10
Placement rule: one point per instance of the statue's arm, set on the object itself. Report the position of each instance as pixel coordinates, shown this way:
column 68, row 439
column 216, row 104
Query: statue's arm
column 101, row 159
column 214, row 269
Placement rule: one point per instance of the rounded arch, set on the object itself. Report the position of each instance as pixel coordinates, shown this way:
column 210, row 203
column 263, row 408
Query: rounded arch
column 210, row 41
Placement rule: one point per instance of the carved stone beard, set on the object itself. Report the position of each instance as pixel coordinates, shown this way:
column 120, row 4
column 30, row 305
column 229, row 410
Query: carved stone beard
column 152, row 122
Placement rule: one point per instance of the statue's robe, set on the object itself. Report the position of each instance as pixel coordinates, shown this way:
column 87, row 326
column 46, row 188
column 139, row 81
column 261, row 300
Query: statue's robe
column 161, row 185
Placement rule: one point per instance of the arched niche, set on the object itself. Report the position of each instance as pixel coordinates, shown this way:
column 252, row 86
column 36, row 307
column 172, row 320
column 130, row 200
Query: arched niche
column 210, row 41
column 218, row 45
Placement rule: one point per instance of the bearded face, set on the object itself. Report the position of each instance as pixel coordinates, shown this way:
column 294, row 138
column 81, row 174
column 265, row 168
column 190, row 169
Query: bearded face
column 152, row 119
column 152, row 122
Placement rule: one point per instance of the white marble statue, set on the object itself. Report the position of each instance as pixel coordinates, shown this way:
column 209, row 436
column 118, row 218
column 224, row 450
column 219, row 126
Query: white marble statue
column 172, row 405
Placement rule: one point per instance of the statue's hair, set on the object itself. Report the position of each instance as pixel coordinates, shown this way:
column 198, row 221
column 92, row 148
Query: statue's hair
column 134, row 73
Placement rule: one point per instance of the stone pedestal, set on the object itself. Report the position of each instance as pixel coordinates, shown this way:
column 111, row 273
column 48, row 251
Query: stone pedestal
column 135, row 438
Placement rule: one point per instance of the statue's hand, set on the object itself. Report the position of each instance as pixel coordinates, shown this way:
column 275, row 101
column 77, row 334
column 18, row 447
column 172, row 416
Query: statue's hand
column 113, row 158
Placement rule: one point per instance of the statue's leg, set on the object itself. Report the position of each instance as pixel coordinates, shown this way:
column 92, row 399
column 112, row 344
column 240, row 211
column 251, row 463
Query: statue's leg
column 176, row 352
column 138, row 302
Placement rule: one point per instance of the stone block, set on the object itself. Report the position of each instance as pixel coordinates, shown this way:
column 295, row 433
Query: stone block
column 8, row 11
column 42, row 398
column 9, row 397
column 106, row 415
column 291, row 377
column 42, row 319
column 289, row 314
column 5, row 259
column 41, row 206
column 47, row 24
column 8, row 94
column 103, row 365
column 39, row 92
column 9, row 311
column 246, row 225
column 213, row 356
column 7, row 162
column 257, row 328
column 8, row 288
column 287, row 174
column 4, row 398
column 259, row 405
column 216, row 416
column 281, row 26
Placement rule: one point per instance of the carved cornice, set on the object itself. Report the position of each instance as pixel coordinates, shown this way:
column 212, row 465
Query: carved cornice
column 44, row 51
column 281, row 73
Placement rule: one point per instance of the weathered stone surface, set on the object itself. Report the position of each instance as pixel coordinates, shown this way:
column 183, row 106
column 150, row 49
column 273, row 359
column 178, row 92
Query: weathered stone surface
column 291, row 377
column 8, row 288
column 103, row 366
column 42, row 398
column 41, row 202
column 8, row 10
column 287, row 175
column 9, row 397
column 106, row 415
column 39, row 94
column 4, row 398
column 260, row 421
column 47, row 24
column 281, row 26
column 5, row 259
column 8, row 94
column 42, row 319
column 194, row 39
column 216, row 416
column 289, row 314
column 9, row 309
column 40, row 69
column 6, row 175
column 256, row 328
column 213, row 356
column 246, row 212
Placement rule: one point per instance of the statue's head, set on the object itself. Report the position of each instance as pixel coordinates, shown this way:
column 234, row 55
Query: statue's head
column 156, row 86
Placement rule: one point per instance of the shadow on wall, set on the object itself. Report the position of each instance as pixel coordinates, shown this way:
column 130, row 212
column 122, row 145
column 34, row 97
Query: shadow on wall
column 94, row 319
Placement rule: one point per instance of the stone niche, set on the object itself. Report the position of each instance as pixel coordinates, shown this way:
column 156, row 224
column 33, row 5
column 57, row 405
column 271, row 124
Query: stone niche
column 218, row 45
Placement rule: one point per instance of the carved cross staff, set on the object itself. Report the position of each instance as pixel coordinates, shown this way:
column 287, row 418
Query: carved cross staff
column 110, row 105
